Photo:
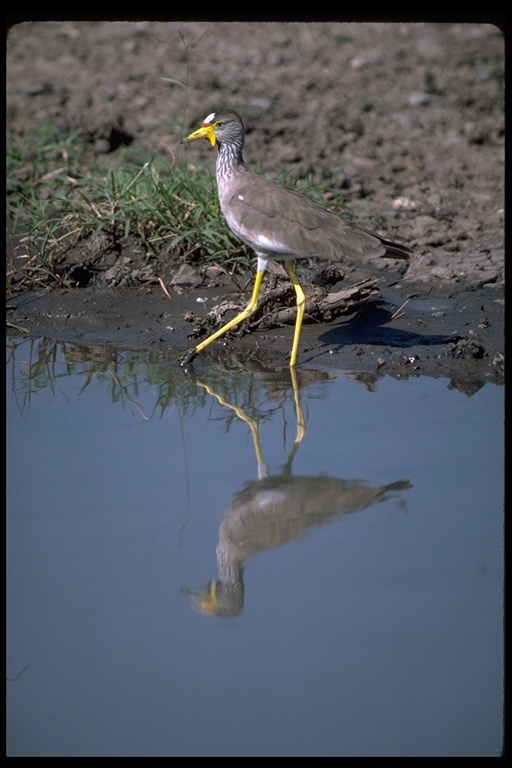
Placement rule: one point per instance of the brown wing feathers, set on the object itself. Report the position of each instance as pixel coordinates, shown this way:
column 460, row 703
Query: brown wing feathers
column 298, row 223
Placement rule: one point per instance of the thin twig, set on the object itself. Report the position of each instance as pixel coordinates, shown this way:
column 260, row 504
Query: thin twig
column 395, row 314
column 164, row 289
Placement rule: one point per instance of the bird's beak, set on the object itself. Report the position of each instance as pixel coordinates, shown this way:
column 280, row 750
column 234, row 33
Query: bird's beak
column 204, row 602
column 204, row 132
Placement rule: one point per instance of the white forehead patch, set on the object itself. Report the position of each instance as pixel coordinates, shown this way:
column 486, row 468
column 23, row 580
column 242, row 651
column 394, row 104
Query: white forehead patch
column 209, row 119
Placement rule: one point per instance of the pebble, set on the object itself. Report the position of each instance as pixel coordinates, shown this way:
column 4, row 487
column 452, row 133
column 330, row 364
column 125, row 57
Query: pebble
column 443, row 272
column 404, row 204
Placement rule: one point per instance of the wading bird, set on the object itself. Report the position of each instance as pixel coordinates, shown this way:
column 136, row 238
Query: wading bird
column 277, row 223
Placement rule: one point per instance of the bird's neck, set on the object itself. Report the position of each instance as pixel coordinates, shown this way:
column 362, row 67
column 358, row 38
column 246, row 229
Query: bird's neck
column 229, row 158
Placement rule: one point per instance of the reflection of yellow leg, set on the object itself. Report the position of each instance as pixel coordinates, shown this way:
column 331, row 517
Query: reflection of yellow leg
column 254, row 427
column 301, row 301
column 301, row 424
column 251, row 423
column 247, row 312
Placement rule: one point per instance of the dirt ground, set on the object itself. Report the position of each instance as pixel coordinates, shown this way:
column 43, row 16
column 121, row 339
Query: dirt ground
column 406, row 119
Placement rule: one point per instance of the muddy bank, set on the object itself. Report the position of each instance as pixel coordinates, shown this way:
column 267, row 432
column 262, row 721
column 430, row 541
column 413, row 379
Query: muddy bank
column 458, row 336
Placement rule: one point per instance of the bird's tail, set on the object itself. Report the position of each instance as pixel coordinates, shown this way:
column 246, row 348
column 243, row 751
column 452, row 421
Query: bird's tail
column 395, row 250
column 398, row 485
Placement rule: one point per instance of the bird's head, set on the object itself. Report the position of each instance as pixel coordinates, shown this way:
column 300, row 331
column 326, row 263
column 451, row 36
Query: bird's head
column 217, row 600
column 218, row 127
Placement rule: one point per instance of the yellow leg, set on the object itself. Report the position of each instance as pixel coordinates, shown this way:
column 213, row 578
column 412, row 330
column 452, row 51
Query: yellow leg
column 247, row 312
column 301, row 302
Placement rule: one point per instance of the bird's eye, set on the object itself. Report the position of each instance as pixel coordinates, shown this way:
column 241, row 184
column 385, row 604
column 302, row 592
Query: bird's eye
column 219, row 124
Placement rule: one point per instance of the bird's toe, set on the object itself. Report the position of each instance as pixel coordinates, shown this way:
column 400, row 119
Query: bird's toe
column 188, row 356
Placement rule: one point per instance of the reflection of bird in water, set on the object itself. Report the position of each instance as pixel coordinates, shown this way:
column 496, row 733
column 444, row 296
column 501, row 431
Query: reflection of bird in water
column 273, row 510
column 270, row 512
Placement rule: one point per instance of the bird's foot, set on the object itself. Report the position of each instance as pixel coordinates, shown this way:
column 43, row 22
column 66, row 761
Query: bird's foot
column 188, row 356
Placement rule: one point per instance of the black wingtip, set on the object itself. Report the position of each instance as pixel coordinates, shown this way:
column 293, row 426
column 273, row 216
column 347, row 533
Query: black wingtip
column 396, row 250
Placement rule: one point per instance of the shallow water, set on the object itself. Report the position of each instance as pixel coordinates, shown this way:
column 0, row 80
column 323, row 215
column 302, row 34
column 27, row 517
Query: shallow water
column 239, row 563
